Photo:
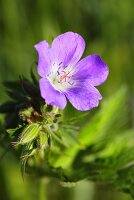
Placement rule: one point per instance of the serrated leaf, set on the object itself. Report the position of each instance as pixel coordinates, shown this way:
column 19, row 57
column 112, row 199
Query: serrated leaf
column 13, row 130
column 16, row 95
column 100, row 127
column 7, row 107
column 11, row 120
column 11, row 85
column 111, row 115
column 30, row 89
column 33, row 76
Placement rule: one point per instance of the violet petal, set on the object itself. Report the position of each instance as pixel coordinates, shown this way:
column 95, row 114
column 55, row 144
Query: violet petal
column 52, row 96
column 93, row 68
column 84, row 96
column 68, row 48
column 44, row 63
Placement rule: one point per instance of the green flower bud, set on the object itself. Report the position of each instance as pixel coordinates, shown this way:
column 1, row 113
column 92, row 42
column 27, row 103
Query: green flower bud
column 43, row 140
column 29, row 133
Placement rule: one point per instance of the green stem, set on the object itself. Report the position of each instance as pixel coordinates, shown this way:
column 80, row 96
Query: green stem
column 42, row 189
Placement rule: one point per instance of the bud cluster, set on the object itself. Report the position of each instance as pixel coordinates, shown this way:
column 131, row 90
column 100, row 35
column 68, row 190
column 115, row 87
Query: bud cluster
column 34, row 127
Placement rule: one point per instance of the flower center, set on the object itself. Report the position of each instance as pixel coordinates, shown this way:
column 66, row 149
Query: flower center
column 61, row 78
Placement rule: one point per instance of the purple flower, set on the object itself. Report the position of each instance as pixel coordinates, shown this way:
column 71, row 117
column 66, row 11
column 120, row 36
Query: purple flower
column 64, row 77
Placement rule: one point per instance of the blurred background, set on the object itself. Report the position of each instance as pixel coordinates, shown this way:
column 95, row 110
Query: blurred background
column 108, row 28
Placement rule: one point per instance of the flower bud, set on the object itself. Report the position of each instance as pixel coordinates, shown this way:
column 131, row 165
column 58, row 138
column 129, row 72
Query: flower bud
column 29, row 133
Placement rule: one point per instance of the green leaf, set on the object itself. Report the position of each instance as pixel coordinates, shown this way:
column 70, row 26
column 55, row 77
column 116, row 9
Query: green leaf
column 114, row 113
column 99, row 130
column 13, row 130
column 29, row 88
column 16, row 95
column 7, row 107
column 12, row 85
column 33, row 75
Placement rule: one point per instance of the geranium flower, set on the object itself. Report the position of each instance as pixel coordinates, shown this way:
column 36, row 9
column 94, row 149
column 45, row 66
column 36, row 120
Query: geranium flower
column 64, row 76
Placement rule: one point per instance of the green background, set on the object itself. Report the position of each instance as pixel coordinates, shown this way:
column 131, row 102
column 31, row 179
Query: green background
column 107, row 27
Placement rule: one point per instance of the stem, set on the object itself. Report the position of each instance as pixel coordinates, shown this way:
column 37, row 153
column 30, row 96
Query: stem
column 42, row 189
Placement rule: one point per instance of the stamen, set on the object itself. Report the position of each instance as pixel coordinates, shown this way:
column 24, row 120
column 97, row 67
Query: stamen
column 71, row 83
column 58, row 73
column 60, row 63
column 60, row 77
column 65, row 77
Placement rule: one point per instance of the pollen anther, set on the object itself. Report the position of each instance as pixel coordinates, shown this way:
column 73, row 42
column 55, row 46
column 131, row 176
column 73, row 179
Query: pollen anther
column 64, row 77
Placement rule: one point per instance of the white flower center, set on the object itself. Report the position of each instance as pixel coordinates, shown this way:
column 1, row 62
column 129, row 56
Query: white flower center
column 61, row 78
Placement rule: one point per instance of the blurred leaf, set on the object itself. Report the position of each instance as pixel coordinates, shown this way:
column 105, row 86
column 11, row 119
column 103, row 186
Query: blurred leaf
column 14, row 130
column 105, row 149
column 7, row 107
column 114, row 113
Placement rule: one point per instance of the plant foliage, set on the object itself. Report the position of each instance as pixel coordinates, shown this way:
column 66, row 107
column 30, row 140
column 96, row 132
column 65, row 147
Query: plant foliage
column 48, row 144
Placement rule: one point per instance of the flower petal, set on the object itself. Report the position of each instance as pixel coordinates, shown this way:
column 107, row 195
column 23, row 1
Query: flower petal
column 84, row 96
column 68, row 48
column 93, row 68
column 52, row 96
column 79, row 50
column 43, row 50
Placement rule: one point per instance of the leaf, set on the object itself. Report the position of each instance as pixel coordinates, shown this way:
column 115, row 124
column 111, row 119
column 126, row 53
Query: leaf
column 14, row 130
column 114, row 113
column 30, row 89
column 106, row 150
column 33, row 76
column 99, row 129
column 16, row 95
column 11, row 85
column 7, row 107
